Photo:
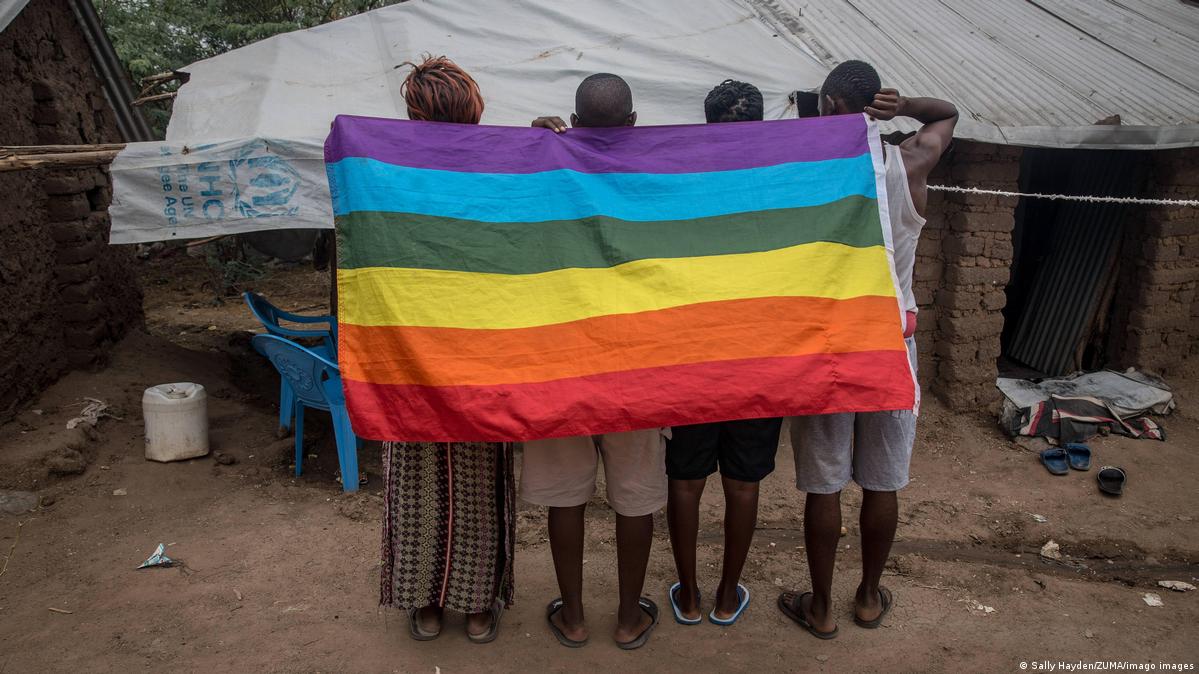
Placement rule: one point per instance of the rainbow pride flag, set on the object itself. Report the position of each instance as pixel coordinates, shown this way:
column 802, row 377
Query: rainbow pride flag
column 501, row 283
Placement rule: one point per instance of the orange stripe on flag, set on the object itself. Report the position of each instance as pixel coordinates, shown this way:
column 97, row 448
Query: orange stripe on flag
column 763, row 327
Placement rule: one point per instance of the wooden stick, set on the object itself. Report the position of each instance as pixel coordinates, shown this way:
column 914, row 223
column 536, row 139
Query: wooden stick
column 13, row 549
column 59, row 610
column 8, row 150
column 160, row 77
column 56, row 161
column 157, row 97
column 201, row 242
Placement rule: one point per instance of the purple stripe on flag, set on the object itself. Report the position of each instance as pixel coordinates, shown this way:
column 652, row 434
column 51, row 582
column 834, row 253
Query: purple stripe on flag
column 697, row 148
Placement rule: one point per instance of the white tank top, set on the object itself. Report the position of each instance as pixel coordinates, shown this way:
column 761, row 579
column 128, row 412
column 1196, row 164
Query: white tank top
column 906, row 223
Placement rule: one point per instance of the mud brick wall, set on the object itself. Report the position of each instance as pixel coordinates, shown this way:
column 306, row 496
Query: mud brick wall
column 65, row 295
column 1156, row 310
column 962, row 268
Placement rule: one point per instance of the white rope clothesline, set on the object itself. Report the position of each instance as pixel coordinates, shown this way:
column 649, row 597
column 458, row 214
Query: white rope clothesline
column 1069, row 197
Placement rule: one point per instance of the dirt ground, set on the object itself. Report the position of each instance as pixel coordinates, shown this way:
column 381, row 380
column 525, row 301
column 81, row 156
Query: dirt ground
column 281, row 573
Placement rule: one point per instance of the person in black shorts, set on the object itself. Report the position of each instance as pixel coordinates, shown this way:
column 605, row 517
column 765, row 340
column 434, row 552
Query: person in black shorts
column 744, row 451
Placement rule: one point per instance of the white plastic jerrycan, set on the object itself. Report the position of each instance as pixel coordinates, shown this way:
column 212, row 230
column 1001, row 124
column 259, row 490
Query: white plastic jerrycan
column 176, row 421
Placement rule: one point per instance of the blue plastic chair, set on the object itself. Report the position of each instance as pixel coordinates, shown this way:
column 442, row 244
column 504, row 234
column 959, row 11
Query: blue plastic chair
column 316, row 383
column 270, row 315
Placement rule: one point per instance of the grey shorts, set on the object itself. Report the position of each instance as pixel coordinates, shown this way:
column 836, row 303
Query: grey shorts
column 873, row 449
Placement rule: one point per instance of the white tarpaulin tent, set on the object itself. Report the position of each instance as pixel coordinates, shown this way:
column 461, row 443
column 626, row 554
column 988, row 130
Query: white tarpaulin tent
column 1051, row 73
column 244, row 146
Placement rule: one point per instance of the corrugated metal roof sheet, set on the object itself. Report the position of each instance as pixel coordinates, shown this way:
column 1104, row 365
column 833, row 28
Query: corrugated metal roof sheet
column 1059, row 312
column 118, row 89
column 9, row 9
column 1023, row 72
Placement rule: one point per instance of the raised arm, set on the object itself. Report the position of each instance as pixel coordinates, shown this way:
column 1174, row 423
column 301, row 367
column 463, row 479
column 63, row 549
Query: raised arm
column 922, row 151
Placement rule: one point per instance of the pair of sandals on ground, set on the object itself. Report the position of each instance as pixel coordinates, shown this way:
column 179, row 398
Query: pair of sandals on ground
column 789, row 603
column 418, row 632
column 1077, row 456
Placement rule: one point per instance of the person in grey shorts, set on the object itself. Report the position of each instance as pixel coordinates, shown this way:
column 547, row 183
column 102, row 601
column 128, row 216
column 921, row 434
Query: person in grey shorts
column 872, row 449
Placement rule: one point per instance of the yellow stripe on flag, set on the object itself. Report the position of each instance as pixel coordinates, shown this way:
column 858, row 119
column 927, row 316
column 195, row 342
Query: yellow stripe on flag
column 454, row 299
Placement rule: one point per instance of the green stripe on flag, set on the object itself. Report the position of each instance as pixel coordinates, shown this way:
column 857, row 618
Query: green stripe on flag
column 404, row 240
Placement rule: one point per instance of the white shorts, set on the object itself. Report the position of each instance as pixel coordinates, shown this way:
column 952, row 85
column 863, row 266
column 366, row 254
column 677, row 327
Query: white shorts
column 560, row 472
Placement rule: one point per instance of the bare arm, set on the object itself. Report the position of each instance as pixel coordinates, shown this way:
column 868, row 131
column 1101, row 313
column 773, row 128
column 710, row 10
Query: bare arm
column 922, row 151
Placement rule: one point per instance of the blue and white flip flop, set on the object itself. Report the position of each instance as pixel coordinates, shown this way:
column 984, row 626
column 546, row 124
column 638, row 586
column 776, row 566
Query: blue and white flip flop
column 743, row 593
column 678, row 615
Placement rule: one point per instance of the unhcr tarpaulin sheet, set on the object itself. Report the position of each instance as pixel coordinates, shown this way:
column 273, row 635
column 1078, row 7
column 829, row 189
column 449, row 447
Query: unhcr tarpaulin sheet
column 499, row 283
column 165, row 191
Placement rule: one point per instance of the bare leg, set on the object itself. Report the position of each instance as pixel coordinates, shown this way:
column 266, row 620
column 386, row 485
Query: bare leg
column 822, row 531
column 566, row 545
column 634, row 536
column 682, row 514
column 880, row 516
column 740, row 520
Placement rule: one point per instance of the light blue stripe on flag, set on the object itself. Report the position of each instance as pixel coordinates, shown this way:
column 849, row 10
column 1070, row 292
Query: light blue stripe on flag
column 360, row 184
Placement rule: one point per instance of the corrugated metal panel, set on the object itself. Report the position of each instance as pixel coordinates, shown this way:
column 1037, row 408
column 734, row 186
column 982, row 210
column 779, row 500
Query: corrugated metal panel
column 1024, row 72
column 1057, row 53
column 1170, row 15
column 117, row 87
column 1162, row 49
column 9, row 9
column 1071, row 279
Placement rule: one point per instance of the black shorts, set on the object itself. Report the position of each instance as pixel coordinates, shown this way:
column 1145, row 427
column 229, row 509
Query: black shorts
column 743, row 449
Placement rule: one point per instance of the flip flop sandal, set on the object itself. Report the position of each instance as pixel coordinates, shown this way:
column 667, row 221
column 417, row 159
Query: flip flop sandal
column 651, row 608
column 795, row 612
column 1079, row 456
column 497, row 610
column 1111, row 480
column 553, row 607
column 1055, row 462
column 678, row 614
column 743, row 593
column 886, row 599
column 415, row 630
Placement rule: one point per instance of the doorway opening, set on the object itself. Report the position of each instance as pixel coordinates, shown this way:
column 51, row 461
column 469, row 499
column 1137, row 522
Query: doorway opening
column 1066, row 259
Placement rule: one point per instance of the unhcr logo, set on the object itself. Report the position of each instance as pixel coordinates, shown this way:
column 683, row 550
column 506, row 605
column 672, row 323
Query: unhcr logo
column 263, row 183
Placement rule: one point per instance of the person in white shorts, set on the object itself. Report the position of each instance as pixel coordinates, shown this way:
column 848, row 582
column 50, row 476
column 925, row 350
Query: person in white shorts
column 560, row 473
column 872, row 449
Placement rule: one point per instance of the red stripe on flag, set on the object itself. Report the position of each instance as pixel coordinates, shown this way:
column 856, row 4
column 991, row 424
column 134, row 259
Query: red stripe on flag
column 866, row 381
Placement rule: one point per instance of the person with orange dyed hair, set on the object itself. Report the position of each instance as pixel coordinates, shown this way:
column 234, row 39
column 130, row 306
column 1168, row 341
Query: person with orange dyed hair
column 449, row 507
column 438, row 90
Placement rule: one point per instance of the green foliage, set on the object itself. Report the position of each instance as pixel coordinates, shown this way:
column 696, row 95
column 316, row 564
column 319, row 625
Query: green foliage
column 154, row 36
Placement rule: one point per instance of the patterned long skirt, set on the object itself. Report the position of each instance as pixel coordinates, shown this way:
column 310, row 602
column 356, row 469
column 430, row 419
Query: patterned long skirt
column 448, row 525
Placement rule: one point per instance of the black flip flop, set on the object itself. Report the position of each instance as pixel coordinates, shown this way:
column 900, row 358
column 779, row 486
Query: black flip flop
column 651, row 608
column 414, row 629
column 497, row 610
column 795, row 613
column 1111, row 480
column 553, row 607
column 886, row 599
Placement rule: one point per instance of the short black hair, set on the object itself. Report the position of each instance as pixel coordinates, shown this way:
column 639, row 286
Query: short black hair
column 855, row 82
column 733, row 101
column 603, row 100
